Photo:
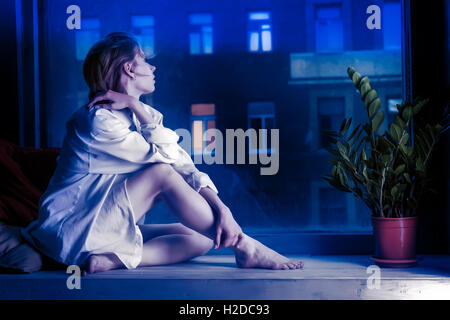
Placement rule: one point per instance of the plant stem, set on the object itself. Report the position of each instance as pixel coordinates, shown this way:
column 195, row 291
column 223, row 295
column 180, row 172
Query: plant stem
column 381, row 192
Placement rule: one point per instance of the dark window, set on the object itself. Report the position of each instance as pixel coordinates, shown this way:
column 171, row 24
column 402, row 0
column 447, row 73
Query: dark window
column 331, row 112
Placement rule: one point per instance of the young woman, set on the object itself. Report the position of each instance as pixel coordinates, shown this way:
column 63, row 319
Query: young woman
column 116, row 162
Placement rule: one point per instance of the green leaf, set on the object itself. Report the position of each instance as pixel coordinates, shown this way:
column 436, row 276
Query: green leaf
column 407, row 113
column 394, row 191
column 365, row 174
column 342, row 150
column 356, row 78
column 438, row 128
column 386, row 158
column 374, row 106
column 418, row 106
column 419, row 165
column 402, row 148
column 407, row 177
column 404, row 139
column 377, row 121
column 398, row 121
column 350, row 71
column 399, row 169
column 342, row 125
column 363, row 154
column 371, row 96
column 354, row 132
column 409, row 151
column 347, row 126
column 333, row 171
column 395, row 131
column 365, row 88
column 364, row 80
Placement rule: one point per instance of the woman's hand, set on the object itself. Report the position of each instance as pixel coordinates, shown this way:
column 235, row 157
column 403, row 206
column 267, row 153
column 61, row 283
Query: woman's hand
column 113, row 100
column 229, row 233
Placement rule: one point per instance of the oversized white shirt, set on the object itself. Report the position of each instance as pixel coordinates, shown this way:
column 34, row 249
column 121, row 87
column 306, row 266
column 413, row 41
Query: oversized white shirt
column 85, row 209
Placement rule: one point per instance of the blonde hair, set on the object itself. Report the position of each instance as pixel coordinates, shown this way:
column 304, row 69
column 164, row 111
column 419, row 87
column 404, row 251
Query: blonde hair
column 104, row 61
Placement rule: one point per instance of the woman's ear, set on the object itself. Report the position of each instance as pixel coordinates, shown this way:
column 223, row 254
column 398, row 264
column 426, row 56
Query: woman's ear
column 129, row 69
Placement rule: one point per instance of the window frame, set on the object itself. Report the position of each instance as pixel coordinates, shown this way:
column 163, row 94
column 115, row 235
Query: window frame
column 204, row 119
column 198, row 29
column 255, row 26
column 318, row 21
column 348, row 243
column 151, row 27
column 263, row 117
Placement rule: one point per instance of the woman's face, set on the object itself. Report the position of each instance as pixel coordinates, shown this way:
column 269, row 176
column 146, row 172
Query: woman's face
column 144, row 78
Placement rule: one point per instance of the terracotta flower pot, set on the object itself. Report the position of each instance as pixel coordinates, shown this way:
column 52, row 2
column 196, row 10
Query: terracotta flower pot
column 395, row 239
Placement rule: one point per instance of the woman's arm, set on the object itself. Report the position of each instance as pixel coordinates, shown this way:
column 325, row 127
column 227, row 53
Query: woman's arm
column 228, row 232
column 162, row 141
column 184, row 164
column 139, row 109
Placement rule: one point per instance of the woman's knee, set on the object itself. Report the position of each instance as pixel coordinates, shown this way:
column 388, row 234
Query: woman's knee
column 204, row 244
column 159, row 172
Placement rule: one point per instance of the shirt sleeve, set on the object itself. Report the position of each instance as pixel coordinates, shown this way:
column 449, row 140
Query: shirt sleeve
column 112, row 137
column 167, row 141
column 152, row 142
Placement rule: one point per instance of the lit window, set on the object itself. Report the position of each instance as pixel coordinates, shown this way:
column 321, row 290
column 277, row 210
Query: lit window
column 86, row 36
column 392, row 105
column 203, row 117
column 261, row 115
column 391, row 25
column 200, row 33
column 329, row 28
column 142, row 27
column 259, row 32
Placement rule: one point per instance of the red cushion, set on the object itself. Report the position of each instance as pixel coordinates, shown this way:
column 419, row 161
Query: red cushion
column 25, row 173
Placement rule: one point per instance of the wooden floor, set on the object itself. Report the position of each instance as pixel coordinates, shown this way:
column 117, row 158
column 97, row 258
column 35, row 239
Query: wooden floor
column 215, row 277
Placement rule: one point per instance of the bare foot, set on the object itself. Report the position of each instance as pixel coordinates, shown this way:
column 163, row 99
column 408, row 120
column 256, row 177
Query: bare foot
column 102, row 262
column 250, row 253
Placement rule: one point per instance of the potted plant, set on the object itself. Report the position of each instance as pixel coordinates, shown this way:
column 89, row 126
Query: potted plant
column 388, row 171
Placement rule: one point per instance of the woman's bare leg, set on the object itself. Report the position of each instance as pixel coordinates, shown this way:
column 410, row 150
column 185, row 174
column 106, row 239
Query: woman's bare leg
column 192, row 210
column 161, row 181
column 171, row 243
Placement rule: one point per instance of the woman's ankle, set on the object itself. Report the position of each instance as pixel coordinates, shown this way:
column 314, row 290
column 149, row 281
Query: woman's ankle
column 242, row 245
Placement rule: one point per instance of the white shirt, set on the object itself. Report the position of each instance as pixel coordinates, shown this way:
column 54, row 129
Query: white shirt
column 85, row 209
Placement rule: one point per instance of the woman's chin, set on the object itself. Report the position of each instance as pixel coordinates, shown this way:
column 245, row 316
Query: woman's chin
column 150, row 90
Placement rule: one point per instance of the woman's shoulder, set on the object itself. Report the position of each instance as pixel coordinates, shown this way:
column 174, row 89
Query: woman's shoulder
column 157, row 115
column 101, row 117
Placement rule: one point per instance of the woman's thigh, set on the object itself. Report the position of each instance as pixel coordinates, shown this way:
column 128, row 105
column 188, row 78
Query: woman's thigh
column 150, row 231
column 145, row 186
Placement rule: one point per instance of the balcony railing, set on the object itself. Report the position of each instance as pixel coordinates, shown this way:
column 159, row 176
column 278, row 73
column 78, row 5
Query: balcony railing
column 311, row 68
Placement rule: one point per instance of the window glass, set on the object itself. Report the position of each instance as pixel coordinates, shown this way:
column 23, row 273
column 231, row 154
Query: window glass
column 143, row 28
column 200, row 33
column 202, row 118
column 391, row 25
column 261, row 118
column 300, row 89
column 86, row 36
column 329, row 28
column 259, row 31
